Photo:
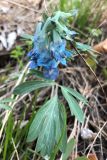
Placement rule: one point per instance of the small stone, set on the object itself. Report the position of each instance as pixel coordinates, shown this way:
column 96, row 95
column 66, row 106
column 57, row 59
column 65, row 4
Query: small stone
column 87, row 134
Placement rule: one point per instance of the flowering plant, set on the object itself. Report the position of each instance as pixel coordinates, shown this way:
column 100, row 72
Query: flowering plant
column 50, row 40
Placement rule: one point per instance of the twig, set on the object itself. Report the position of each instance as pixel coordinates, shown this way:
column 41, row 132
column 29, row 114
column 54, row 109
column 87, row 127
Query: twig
column 15, row 149
column 91, row 146
column 89, row 68
column 104, row 134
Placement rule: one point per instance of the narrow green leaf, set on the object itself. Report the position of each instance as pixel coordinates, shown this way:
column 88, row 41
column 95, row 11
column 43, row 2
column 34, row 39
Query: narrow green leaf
column 36, row 125
column 4, row 106
column 61, row 132
column 27, row 36
column 74, row 107
column 36, row 73
column 29, row 86
column 8, row 136
column 63, row 117
column 75, row 94
column 69, row 149
column 82, row 158
column 83, row 47
column 6, row 100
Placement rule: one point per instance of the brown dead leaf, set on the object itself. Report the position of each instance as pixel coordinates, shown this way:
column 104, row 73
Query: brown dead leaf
column 101, row 47
column 92, row 157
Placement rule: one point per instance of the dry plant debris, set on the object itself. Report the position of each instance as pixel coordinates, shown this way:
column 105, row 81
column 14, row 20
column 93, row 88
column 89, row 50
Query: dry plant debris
column 101, row 47
column 17, row 17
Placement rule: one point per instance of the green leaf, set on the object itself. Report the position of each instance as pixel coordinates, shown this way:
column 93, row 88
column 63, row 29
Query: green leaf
column 62, row 114
column 91, row 62
column 36, row 73
column 6, row 100
column 27, row 36
column 8, row 136
column 56, row 36
column 4, row 106
column 29, row 86
column 61, row 129
column 74, row 107
column 63, row 15
column 69, row 149
column 75, row 94
column 46, row 127
column 83, row 47
column 82, row 158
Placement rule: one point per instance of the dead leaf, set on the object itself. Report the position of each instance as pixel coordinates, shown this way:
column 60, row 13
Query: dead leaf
column 92, row 157
column 101, row 47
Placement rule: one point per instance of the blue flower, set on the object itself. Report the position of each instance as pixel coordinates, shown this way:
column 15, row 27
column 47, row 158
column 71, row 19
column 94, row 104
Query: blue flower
column 68, row 53
column 63, row 61
column 33, row 64
column 33, row 53
column 51, row 64
column 43, row 58
column 46, row 60
column 30, row 54
column 39, row 43
column 51, row 73
column 57, row 49
column 48, row 56
column 59, row 52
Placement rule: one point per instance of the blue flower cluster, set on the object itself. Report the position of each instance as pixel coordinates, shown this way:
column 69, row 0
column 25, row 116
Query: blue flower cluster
column 48, row 56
